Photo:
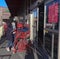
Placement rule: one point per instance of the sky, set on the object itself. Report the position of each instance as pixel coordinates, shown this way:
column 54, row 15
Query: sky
column 3, row 3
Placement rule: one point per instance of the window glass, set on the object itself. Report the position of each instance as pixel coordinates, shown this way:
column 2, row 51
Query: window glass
column 52, row 26
column 48, row 42
column 56, row 46
column 52, row 15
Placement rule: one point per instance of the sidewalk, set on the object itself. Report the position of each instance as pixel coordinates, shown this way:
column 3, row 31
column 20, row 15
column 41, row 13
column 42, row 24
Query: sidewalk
column 8, row 55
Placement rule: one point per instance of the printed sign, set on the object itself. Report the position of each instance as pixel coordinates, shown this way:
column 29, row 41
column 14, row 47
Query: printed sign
column 53, row 13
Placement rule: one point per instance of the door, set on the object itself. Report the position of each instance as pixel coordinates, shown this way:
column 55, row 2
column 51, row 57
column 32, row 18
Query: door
column 51, row 28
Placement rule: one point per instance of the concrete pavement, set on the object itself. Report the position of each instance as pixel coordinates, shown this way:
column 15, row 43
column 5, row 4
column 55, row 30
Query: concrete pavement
column 8, row 55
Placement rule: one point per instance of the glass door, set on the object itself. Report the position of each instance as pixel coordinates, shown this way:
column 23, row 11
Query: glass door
column 34, row 25
column 35, row 21
column 51, row 28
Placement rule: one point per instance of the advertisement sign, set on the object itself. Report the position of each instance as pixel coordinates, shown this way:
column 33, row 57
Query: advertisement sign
column 53, row 13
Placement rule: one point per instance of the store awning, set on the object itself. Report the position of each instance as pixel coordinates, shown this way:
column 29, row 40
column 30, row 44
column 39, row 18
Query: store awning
column 18, row 6
column 15, row 6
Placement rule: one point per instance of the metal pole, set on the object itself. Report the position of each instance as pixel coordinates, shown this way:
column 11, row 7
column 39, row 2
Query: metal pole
column 44, row 26
column 52, row 55
column 31, row 27
column 37, row 22
column 59, row 34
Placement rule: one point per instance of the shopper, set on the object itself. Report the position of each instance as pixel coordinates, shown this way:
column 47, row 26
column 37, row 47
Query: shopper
column 9, row 36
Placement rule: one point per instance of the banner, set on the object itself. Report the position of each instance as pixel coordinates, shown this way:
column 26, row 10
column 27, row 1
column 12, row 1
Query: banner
column 53, row 13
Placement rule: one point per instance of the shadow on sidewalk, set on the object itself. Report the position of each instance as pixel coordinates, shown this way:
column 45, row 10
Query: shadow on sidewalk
column 29, row 55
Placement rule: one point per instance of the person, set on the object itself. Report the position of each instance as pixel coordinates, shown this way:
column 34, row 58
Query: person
column 14, row 28
column 5, row 27
column 21, row 34
column 9, row 36
column 13, row 25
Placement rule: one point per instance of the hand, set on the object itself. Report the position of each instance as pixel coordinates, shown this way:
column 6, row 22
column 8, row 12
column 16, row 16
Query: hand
column 13, row 32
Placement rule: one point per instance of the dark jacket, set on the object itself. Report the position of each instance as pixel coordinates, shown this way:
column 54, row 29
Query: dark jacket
column 9, row 32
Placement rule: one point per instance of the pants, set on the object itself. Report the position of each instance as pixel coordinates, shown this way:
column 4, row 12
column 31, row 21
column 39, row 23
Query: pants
column 10, row 43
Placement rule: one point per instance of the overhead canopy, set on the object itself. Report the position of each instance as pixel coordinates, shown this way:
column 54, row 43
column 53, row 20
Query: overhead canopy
column 15, row 6
column 19, row 6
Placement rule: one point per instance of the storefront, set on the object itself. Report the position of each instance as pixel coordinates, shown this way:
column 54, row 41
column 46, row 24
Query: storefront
column 51, row 28
column 37, row 23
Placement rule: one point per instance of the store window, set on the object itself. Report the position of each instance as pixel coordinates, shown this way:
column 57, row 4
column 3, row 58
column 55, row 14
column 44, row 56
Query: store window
column 35, row 20
column 51, row 29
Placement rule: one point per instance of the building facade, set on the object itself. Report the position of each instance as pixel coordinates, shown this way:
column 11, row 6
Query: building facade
column 4, row 12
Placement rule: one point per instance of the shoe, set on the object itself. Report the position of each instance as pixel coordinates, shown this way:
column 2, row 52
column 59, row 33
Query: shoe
column 8, row 49
column 13, row 50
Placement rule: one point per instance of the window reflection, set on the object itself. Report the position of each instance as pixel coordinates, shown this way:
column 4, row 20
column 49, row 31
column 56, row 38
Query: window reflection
column 48, row 42
column 55, row 46
column 35, row 14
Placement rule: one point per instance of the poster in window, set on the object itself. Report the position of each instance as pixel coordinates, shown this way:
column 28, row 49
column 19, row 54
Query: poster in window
column 53, row 13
